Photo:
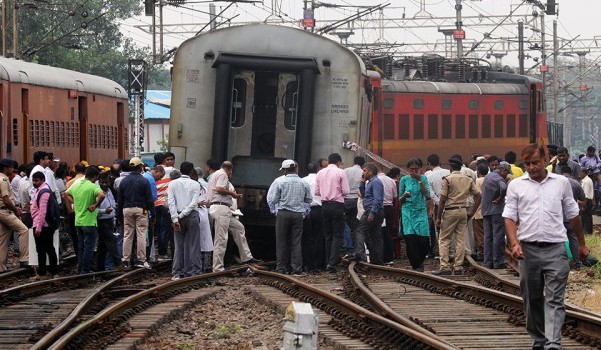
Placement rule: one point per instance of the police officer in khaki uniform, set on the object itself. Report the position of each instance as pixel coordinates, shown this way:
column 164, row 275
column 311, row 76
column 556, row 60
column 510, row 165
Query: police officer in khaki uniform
column 453, row 216
column 9, row 218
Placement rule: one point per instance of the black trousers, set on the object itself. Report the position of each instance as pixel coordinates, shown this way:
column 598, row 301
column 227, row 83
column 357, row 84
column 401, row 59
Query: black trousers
column 387, row 234
column 417, row 249
column 43, row 246
column 350, row 216
column 288, row 238
column 370, row 233
column 587, row 217
column 73, row 233
column 333, row 229
column 313, row 243
column 106, row 243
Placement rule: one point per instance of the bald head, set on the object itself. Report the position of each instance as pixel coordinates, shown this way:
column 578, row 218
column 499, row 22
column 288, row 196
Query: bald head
column 227, row 165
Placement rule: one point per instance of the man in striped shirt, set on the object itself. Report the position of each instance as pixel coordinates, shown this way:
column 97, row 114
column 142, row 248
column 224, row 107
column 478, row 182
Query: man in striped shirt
column 162, row 228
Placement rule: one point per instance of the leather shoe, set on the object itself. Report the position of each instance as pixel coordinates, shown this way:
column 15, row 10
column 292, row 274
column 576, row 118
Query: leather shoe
column 441, row 272
column 253, row 261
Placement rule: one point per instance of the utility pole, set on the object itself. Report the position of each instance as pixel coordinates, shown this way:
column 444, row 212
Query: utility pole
column 459, row 36
column 15, row 32
column 544, row 58
column 137, row 81
column 555, row 72
column 521, row 45
column 3, row 28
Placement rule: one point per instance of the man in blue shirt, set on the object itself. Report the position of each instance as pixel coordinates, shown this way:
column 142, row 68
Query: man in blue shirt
column 370, row 224
column 493, row 202
column 134, row 203
column 290, row 196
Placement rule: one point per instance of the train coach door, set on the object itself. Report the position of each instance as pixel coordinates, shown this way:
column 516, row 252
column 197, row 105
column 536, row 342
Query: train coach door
column 264, row 112
column 287, row 112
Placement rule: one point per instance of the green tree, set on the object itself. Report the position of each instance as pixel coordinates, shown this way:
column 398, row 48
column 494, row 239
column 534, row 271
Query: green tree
column 83, row 35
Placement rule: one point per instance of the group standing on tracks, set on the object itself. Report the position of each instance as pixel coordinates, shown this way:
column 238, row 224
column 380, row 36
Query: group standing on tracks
column 126, row 209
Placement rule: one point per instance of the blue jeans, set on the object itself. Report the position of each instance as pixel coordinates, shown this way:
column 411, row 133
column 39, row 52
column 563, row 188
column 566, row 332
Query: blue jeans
column 86, row 239
column 348, row 240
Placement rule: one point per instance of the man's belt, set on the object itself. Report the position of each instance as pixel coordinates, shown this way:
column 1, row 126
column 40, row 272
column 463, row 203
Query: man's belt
column 221, row 203
column 540, row 244
column 454, row 208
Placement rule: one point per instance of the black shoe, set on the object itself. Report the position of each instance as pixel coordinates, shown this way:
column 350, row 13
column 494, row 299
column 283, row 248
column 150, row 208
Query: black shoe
column 458, row 272
column 441, row 272
column 500, row 267
column 23, row 264
column 331, row 269
column 253, row 261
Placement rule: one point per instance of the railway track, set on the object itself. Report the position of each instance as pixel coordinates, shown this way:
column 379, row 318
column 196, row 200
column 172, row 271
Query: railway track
column 21, row 275
column 127, row 322
column 29, row 312
column 463, row 314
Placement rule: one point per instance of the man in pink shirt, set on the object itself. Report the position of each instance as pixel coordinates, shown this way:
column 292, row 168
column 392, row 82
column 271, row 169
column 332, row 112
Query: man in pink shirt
column 43, row 234
column 332, row 185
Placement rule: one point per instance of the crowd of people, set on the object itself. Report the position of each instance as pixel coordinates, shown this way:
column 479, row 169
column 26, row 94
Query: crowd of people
column 116, row 215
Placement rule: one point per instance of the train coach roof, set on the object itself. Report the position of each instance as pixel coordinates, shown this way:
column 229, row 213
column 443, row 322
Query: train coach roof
column 429, row 87
column 36, row 74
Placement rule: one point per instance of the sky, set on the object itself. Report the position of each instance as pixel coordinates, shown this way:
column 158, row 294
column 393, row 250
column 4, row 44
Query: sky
column 575, row 17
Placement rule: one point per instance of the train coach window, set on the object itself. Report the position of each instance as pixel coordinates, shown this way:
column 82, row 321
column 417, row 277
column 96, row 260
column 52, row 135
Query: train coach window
column 473, row 104
column 290, row 102
column 389, row 103
column 486, row 126
column 541, row 101
column 433, row 126
column 460, row 126
column 447, row 126
column 238, row 103
column 511, row 125
column 447, row 104
column 523, row 127
column 418, row 126
column 15, row 132
column 523, row 105
column 31, row 134
column 474, row 126
column 388, row 132
column 499, row 105
column 418, row 103
column 498, row 126
column 403, row 127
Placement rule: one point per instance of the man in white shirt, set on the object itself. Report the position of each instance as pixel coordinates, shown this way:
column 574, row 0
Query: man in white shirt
column 182, row 196
column 313, row 241
column 589, row 193
column 538, row 243
column 435, row 180
column 353, row 175
column 42, row 160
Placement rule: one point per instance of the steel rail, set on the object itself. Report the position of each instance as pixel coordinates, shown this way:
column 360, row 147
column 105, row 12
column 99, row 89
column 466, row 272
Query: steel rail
column 23, row 271
column 357, row 312
column 576, row 324
column 384, row 308
column 34, row 288
column 130, row 302
column 85, row 305
column 511, row 287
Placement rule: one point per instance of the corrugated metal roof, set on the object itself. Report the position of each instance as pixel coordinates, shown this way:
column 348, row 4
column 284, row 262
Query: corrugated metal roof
column 37, row 74
column 157, row 104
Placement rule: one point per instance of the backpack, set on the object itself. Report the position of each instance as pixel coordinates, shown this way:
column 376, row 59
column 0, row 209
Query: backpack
column 53, row 211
